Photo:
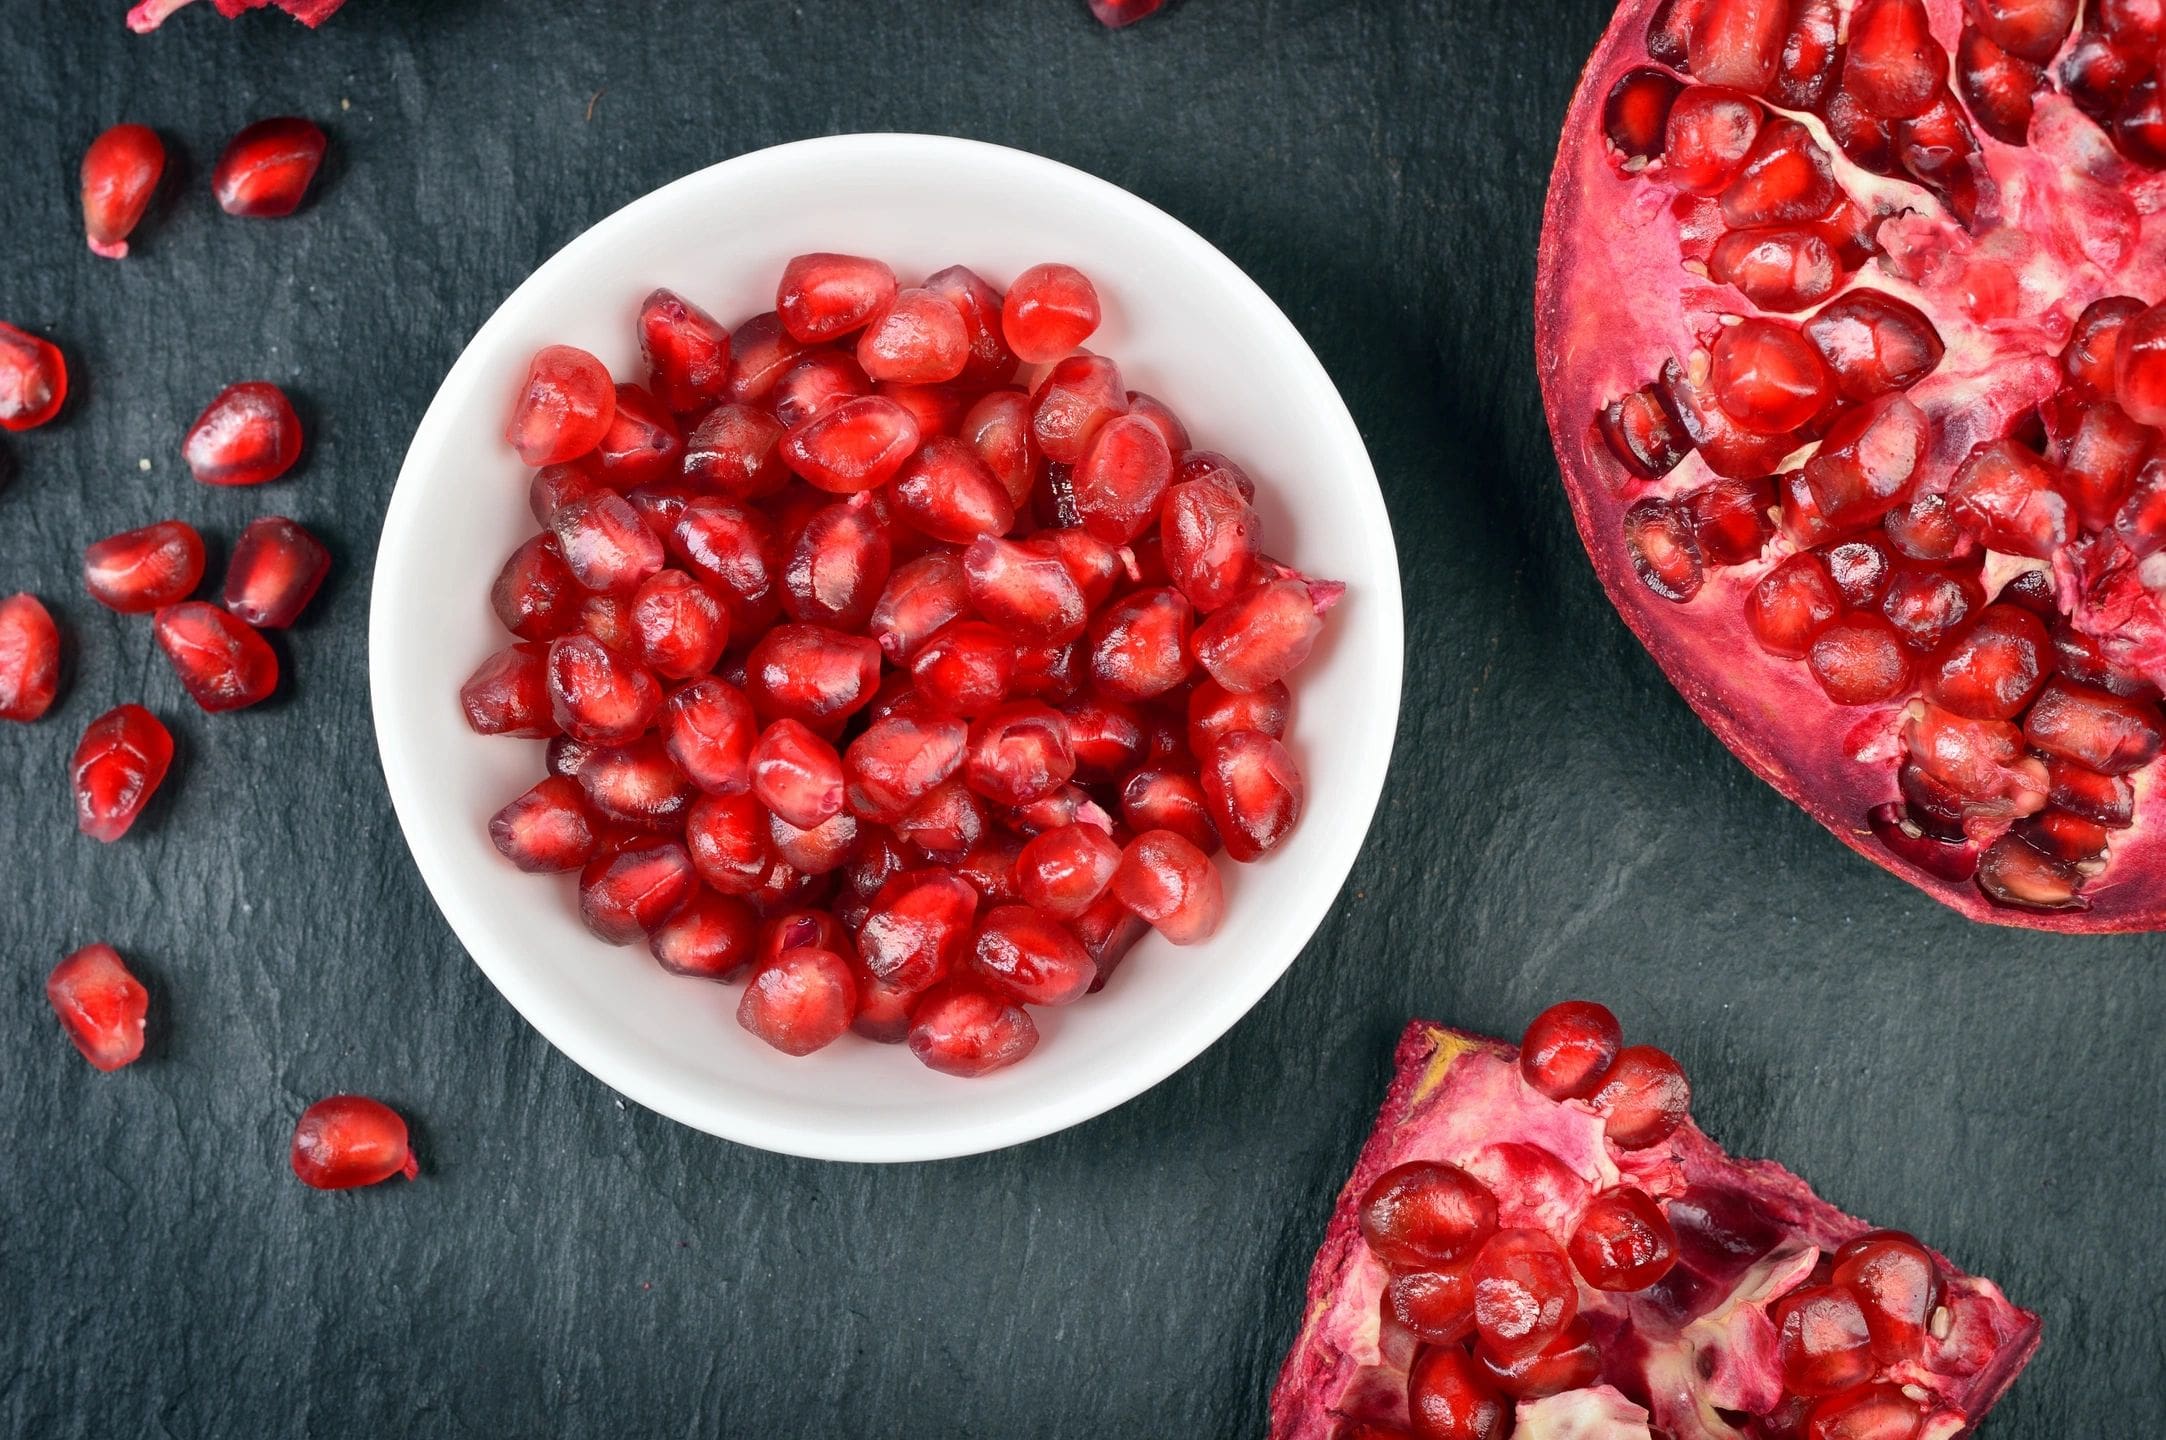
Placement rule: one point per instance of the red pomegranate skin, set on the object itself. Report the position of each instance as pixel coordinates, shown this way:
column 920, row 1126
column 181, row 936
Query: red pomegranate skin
column 1458, row 1097
column 1613, row 301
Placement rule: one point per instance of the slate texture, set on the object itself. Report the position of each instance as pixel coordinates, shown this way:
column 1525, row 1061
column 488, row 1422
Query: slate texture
column 1558, row 822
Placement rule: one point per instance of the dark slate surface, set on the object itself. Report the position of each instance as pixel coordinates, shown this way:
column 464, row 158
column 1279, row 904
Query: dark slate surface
column 1558, row 822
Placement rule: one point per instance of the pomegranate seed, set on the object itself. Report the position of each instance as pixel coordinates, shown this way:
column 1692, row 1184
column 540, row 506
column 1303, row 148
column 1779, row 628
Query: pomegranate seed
column 687, row 352
column 711, row 938
column 997, row 427
column 2065, row 837
column 1623, row 1241
column 119, row 764
column 1926, row 529
column 1140, row 645
column 920, row 597
column 29, row 659
column 1786, row 179
column 642, row 443
column 223, row 663
column 1865, row 1412
column 101, row 1005
column 991, row 362
column 1169, row 882
column 2108, row 733
column 812, row 674
column 796, row 774
column 1570, row 1362
column 761, row 351
column 1162, row 799
column 1738, row 42
column 597, row 694
column 1160, row 417
column 1065, row 869
column 1778, row 269
column 2093, row 348
column 121, row 170
column 800, row 1001
column 1569, row 1049
column 1436, row 1306
column 1822, row 1344
column 564, row 408
column 733, row 452
column 2011, row 499
column 1874, row 343
column 947, row 492
column 1729, row 519
column 1210, row 536
column 2139, row 367
column 1665, row 553
column 637, row 784
column 33, row 379
column 946, row 824
column 508, row 694
column 267, row 168
column 917, row 338
column 1994, row 669
column 1122, row 478
column 959, row 1030
column 138, row 571
column 1253, row 793
column 246, row 436
column 1262, row 635
column 1018, row 753
column 1939, row 151
column 1643, row 434
column 2013, row 873
column 1893, row 65
column 917, row 927
column 1927, row 606
column 1867, row 461
column 350, row 1140
column 1031, row 957
column 1862, row 570
column 1729, row 450
column 1810, row 53
column 2032, row 30
column 556, row 486
column 730, row 842
column 1213, row 710
column 2081, row 660
column 899, row 760
column 1897, row 1287
column 710, row 731
column 630, row 893
column 728, row 548
column 1118, row 14
column 1768, row 378
column 1710, row 132
column 1426, row 1215
column 1636, row 112
column 277, row 568
column 1999, row 90
column 858, row 444
column 1451, row 1398
column 967, row 668
column 2108, row 799
column 1024, row 587
column 1643, row 1098
column 1524, row 1293
column 818, row 850
column 824, row 296
column 547, row 829
column 1049, row 311
column 1076, row 398
column 606, row 544
column 815, row 383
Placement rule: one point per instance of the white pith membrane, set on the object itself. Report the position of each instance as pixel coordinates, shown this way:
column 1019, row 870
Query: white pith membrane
column 1691, row 1358
column 2061, row 222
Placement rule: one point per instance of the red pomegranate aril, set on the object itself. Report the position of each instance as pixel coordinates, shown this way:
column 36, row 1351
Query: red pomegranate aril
column 1711, row 130
column 899, row 759
column 946, row 492
column 556, row 486
column 824, row 296
column 642, row 444
column 1643, row 433
column 1862, row 571
column 346, row 1141
column 1860, row 659
column 508, row 694
column 711, row 938
column 625, row 895
column 818, row 850
column 1780, row 268
column 1140, row 645
column 138, row 571
column 597, row 694
column 267, row 168
column 246, row 436
column 1023, row 587
column 730, row 549
column 682, row 629
column 222, row 662
column 1867, row 1412
column 638, row 784
column 1449, row 1397
column 812, row 674
column 2108, row 799
column 1572, row 1361
column 29, row 659
column 1768, row 378
column 761, row 350
column 1435, row 1306
column 945, row 824
column 1160, row 417
column 1210, row 538
column 1999, row 89
column 1169, row 882
column 1031, row 957
column 2032, row 30
column 918, row 927
column 733, row 452
column 2139, row 126
column 967, row 668
column 121, row 170
column 687, row 352
column 920, row 597
column 959, row 1029
column 1822, row 1343
column 1569, row 1049
column 2081, row 659
column 1788, row 606
column 547, row 829
column 729, row 842
column 1893, row 65
column 1018, row 752
column 1994, row 669
column 800, row 1001
column 1064, row 870
column 857, row 444
column 917, row 338
column 1737, row 42
column 1263, row 635
column 1637, row 113
column 710, row 730
column 2108, row 733
column 1426, row 1216
column 1897, row 1287
column 1730, row 520
column 1867, row 462
column 1729, row 449
column 1072, row 403
column 563, row 408
column 119, row 764
column 1049, row 311
column 2139, row 366
column 1927, row 606
column 1785, row 180
column 991, row 362
column 1156, row 798
column 1874, row 343
column 1925, row 528
column 1669, row 31
column 1665, row 552
column 33, row 379
column 1253, row 792
column 2012, row 500
column 2016, row 875
column 2101, row 461
column 997, row 427
column 2090, row 357
column 101, row 1005
column 2068, row 838
column 796, row 774
column 1938, row 150
column 1524, row 1293
column 1643, row 1098
column 815, row 383
column 277, row 567
column 1623, row 1241
column 836, row 568
column 1213, row 710
column 1121, row 479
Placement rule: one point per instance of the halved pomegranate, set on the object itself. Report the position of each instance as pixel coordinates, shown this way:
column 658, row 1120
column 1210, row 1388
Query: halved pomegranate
column 1849, row 332
column 1715, row 1298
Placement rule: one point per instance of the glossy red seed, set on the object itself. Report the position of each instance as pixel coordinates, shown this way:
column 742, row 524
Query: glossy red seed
column 1158, row 798
column 682, row 629
column 121, row 170
column 1636, row 111
column 33, row 379
column 1893, row 65
column 547, row 829
column 637, row 784
column 1172, row 884
column 1897, row 1286
column 1122, row 478
column 730, row 843
column 1643, row 1098
column 800, row 1001
column 101, row 1005
column 2111, row 734
column 119, row 764
column 1525, row 1293
column 813, row 674
column 899, row 759
column 1139, row 645
column 687, row 352
column 1118, row 14
column 1623, row 1241
column 733, row 453
column 966, row 669
column 1787, row 179
column 1450, row 1398
column 1426, row 1215
column 711, row 938
column 946, row 492
column 823, row 296
column 630, row 893
column 642, row 444
column 1030, row 957
column 563, row 408
column 1210, row 536
column 1065, row 869
column 1874, row 343
column 508, row 694
column 958, row 1029
column 267, row 168
column 1994, row 668
column 1213, row 710
column 997, row 427
column 991, row 362
column 138, row 571
column 1866, row 1412
column 1024, row 587
column 1072, row 402
column 796, row 774
column 818, row 381
column 918, row 337
column 1572, row 1361
column 946, row 824
column 920, row 597
column 222, row 662
column 1049, row 311
column 597, row 694
column 1261, row 636
column 1018, row 752
column 1569, row 1048
column 1711, row 130
column 857, row 444
column 29, row 659
column 761, row 351
column 277, row 567
column 710, row 730
column 248, row 435
column 1253, row 792
column 1860, row 659
column 1821, row 1342
column 1435, row 1306
column 556, row 486
column 350, row 1140
column 918, row 927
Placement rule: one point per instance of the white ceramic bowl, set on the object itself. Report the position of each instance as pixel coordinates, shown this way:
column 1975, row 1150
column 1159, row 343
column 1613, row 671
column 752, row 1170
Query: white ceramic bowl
column 1185, row 324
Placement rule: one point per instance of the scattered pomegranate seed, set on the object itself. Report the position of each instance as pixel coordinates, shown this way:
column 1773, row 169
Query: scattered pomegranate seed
column 119, row 764
column 223, row 663
column 29, row 659
column 101, row 1005
column 346, row 1141
column 268, row 167
column 248, row 435
column 33, row 379
column 121, row 170
column 276, row 569
column 139, row 571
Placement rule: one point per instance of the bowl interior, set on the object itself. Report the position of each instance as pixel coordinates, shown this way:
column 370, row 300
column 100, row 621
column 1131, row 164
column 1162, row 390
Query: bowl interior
column 1185, row 324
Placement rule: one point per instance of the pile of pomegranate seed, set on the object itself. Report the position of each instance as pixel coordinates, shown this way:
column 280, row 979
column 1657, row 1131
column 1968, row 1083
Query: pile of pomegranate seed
column 912, row 691
column 1541, row 1243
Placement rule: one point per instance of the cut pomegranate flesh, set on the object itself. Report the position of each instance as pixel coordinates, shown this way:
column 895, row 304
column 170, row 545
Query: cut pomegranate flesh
column 350, row 1140
column 1931, row 355
column 121, row 170
column 267, row 168
column 119, row 764
column 101, row 1005
column 29, row 659
column 1722, row 1299
column 246, row 436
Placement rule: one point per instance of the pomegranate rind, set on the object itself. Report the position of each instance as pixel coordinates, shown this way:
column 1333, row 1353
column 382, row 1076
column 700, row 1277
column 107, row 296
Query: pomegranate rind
column 1452, row 1096
column 1601, row 230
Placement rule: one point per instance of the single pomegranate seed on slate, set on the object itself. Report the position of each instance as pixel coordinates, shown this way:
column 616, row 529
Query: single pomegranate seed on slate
column 101, row 1005
column 119, row 764
column 825, row 296
column 1449, row 1397
column 687, row 352
column 547, row 829
column 1623, row 1241
column 711, row 938
column 1822, row 1343
column 1075, row 399
column 1018, row 753
column 796, row 774
column 813, row 674
column 1118, row 14
column 1064, row 870
column 958, row 1029
column 29, row 659
column 246, row 436
column 991, row 361
column 1897, row 1286
column 1169, row 882
column 138, row 571
column 638, row 784
column 1426, row 1215
column 1637, row 111
column 277, row 568
column 1569, row 1048
column 1643, row 1098
column 1524, row 1293
column 2108, row 733
column 121, row 170
column 917, row 338
column 597, row 694
column 1710, row 132
column 508, row 694
column 350, row 1140
column 800, row 1001
column 33, row 379
column 223, row 663
column 946, row 492
column 630, row 893
column 1738, row 42
column 1031, row 957
column 1049, row 311
column 918, row 927
column 856, row 445
column 1253, row 792
column 1995, row 667
column 729, row 841
column 267, row 168
column 564, row 407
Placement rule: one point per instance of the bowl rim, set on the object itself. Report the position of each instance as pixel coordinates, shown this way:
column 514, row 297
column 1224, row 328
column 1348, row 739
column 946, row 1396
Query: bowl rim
column 395, row 558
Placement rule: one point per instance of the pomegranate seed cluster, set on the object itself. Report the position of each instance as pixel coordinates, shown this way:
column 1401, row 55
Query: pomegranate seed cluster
column 1552, row 1250
column 908, row 691
column 1975, row 556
